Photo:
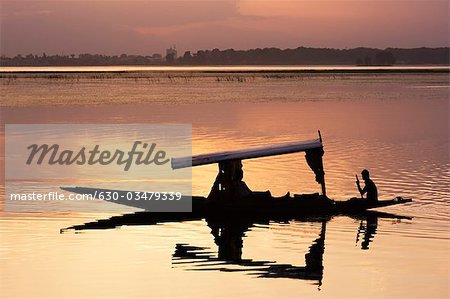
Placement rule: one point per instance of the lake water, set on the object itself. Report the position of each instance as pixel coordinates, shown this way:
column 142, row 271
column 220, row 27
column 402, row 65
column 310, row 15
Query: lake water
column 394, row 124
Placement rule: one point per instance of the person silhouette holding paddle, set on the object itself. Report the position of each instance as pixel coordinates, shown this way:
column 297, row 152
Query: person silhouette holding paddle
column 369, row 186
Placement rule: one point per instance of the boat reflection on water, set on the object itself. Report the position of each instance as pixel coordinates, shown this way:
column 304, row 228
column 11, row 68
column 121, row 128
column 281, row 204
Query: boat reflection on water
column 228, row 236
column 367, row 229
column 228, row 233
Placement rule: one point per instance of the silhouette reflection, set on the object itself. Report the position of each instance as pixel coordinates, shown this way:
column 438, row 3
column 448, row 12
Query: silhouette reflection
column 228, row 236
column 228, row 233
column 368, row 229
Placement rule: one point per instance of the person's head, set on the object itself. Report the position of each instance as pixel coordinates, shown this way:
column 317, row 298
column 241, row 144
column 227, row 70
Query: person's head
column 365, row 174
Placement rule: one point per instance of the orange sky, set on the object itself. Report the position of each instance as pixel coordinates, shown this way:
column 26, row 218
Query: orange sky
column 147, row 26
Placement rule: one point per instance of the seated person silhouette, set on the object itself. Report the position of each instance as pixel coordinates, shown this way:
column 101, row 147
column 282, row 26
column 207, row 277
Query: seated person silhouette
column 369, row 186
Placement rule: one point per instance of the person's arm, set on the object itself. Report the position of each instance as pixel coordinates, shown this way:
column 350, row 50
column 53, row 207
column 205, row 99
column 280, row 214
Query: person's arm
column 361, row 191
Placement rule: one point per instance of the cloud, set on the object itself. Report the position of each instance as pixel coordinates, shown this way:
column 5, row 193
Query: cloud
column 145, row 27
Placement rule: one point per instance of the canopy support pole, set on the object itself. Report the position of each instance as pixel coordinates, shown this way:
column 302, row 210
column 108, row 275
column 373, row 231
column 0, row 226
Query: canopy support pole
column 324, row 190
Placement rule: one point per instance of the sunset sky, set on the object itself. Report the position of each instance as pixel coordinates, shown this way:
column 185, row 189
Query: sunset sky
column 146, row 26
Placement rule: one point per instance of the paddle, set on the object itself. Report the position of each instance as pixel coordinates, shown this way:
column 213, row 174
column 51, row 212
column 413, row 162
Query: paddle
column 357, row 183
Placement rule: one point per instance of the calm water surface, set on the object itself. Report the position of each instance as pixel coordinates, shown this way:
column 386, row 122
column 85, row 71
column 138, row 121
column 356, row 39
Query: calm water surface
column 396, row 125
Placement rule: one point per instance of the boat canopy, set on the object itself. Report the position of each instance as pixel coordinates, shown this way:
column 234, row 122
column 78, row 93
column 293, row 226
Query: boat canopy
column 250, row 153
column 313, row 153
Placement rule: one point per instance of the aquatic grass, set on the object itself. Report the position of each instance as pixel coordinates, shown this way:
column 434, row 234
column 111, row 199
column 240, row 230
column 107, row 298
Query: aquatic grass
column 182, row 77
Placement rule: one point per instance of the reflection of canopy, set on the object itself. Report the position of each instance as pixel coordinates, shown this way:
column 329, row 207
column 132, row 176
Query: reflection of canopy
column 228, row 236
column 257, row 152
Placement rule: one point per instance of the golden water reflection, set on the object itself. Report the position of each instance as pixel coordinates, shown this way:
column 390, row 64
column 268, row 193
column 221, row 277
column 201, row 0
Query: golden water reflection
column 396, row 126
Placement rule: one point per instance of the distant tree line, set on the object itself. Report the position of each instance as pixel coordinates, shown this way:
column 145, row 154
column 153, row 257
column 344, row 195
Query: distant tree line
column 318, row 56
column 80, row 60
column 266, row 56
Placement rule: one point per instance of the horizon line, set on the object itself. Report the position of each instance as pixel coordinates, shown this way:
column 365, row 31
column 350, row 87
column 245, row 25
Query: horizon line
column 225, row 49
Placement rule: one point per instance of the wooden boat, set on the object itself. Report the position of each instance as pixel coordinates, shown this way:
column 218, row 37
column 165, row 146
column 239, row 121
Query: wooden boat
column 230, row 195
column 260, row 203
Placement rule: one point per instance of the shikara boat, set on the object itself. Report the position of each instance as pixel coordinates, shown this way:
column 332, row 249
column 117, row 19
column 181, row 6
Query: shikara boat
column 230, row 194
column 262, row 203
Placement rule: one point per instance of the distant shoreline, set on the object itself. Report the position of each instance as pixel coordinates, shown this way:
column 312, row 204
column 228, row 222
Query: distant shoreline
column 359, row 56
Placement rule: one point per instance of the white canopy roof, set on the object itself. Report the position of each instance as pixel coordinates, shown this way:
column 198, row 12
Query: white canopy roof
column 250, row 153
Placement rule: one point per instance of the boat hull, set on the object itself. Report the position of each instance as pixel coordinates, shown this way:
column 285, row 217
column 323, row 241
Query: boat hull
column 262, row 203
